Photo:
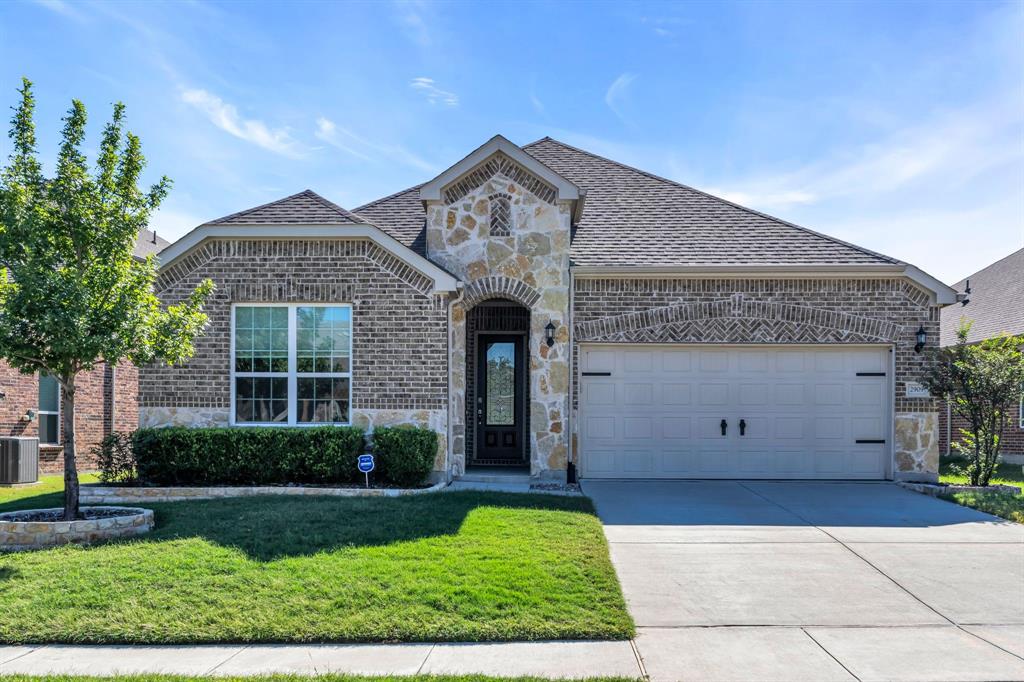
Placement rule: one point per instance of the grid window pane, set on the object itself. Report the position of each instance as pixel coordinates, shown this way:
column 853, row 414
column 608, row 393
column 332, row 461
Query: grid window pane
column 261, row 339
column 323, row 336
column 323, row 399
column 261, row 399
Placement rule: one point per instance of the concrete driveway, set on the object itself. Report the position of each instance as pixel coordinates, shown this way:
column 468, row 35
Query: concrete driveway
column 790, row 581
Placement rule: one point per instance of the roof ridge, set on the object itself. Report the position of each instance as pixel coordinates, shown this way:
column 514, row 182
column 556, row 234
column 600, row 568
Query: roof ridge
column 989, row 266
column 345, row 213
column 717, row 198
column 237, row 214
column 390, row 196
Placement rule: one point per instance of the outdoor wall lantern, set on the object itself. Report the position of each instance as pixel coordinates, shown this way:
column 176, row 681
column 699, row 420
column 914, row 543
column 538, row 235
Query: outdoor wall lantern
column 922, row 336
column 550, row 329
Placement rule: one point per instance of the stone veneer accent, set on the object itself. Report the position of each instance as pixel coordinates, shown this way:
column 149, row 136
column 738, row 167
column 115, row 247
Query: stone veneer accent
column 399, row 343
column 135, row 495
column 529, row 267
column 779, row 311
column 22, row 535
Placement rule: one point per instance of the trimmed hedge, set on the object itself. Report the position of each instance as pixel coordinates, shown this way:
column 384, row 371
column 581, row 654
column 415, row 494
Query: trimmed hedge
column 248, row 456
column 404, row 455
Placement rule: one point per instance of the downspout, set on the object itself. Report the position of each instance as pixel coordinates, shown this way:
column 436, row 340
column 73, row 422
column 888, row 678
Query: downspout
column 570, row 413
column 459, row 287
column 949, row 427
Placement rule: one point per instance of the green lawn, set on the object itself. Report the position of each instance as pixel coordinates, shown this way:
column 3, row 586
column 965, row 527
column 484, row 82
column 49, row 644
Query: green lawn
column 999, row 504
column 49, row 492
column 443, row 567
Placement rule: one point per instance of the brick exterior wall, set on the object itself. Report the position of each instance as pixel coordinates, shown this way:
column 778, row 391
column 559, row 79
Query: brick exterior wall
column 399, row 328
column 804, row 311
column 106, row 400
column 1013, row 436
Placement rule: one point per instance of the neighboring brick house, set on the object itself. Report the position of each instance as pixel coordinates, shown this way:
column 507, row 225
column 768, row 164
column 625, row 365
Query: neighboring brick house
column 107, row 400
column 548, row 309
column 994, row 305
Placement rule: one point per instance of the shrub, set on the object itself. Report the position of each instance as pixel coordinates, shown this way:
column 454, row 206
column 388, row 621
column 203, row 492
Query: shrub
column 116, row 458
column 248, row 456
column 404, row 455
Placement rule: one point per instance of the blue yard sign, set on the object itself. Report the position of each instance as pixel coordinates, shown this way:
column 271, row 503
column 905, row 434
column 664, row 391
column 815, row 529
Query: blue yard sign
column 366, row 466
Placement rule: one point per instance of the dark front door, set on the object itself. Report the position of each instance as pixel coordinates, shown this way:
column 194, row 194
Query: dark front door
column 501, row 378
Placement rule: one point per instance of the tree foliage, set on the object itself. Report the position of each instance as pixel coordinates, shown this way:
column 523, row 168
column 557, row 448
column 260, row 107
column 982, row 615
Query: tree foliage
column 983, row 383
column 72, row 294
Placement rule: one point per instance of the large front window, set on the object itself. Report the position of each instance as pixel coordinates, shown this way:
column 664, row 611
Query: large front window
column 292, row 364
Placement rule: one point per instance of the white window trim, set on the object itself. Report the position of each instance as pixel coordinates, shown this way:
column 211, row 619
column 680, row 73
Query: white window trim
column 292, row 374
column 40, row 412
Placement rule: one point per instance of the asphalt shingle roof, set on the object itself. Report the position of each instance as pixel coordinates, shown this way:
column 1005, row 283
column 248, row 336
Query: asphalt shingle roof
column 148, row 242
column 996, row 302
column 634, row 218
column 305, row 208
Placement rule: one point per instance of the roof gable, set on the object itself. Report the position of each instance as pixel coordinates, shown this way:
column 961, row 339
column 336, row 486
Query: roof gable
column 498, row 155
column 305, row 208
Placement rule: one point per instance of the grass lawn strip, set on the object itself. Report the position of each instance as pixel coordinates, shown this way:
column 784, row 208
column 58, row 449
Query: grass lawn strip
column 296, row 678
column 49, row 492
column 998, row 504
column 461, row 566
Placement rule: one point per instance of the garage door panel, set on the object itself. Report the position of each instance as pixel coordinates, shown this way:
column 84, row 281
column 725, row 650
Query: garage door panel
column 639, row 394
column 713, row 394
column 675, row 428
column 658, row 413
column 675, row 394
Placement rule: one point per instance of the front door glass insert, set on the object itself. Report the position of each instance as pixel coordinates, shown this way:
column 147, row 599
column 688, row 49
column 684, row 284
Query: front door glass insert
column 501, row 384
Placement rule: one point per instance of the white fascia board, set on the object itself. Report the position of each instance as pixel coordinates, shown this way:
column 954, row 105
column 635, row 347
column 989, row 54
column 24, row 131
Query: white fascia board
column 431, row 191
column 944, row 295
column 443, row 281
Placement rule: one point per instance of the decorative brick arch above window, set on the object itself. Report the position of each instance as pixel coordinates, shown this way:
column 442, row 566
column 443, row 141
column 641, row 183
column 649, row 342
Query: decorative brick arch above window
column 501, row 215
column 487, row 288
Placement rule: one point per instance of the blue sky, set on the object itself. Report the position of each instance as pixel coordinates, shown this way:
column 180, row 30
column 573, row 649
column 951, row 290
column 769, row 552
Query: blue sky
column 895, row 125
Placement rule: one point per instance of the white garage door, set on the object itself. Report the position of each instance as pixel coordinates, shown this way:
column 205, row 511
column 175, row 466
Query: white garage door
column 734, row 412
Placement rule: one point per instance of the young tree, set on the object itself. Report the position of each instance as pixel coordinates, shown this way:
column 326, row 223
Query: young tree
column 983, row 383
column 72, row 295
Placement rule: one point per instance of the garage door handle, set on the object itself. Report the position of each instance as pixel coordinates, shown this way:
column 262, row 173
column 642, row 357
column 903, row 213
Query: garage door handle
column 743, row 427
column 725, row 426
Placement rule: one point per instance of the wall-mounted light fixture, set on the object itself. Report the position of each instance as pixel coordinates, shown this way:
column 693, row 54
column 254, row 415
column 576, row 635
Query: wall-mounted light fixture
column 922, row 336
column 550, row 329
column 29, row 416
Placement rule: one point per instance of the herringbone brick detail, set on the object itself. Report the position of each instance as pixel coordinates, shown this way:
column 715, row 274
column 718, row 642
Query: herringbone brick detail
column 501, row 215
column 738, row 320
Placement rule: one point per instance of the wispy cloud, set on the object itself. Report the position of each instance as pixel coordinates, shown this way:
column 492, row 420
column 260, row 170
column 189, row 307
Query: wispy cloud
column 361, row 148
column 433, row 94
column 617, row 93
column 226, row 117
column 62, row 8
column 412, row 17
column 948, row 151
column 538, row 106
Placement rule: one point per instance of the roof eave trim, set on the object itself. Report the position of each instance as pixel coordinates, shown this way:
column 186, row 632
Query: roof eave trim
column 431, row 191
column 443, row 281
column 944, row 295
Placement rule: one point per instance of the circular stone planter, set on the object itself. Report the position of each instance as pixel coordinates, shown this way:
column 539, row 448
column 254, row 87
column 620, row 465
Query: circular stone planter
column 20, row 530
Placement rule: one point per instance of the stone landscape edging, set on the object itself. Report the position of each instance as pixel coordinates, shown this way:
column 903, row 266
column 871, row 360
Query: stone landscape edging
column 937, row 489
column 22, row 535
column 90, row 494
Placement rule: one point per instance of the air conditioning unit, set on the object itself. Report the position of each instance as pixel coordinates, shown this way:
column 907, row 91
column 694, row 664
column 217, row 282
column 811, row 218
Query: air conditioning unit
column 19, row 460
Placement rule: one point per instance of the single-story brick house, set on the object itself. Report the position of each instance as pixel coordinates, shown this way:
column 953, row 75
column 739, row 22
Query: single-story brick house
column 994, row 305
column 548, row 309
column 107, row 399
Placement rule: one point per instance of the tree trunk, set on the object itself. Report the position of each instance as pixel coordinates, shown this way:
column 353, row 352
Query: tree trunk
column 70, row 469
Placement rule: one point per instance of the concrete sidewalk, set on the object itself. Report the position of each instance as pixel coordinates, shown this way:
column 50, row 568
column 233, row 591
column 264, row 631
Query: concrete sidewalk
column 540, row 659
